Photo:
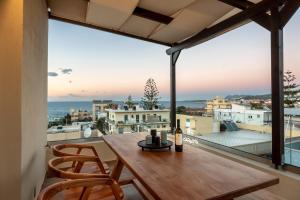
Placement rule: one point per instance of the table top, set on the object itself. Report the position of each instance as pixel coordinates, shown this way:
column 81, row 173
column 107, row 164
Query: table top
column 191, row 174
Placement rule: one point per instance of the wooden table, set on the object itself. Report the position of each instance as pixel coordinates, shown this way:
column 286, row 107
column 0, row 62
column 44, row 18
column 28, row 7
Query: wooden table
column 192, row 174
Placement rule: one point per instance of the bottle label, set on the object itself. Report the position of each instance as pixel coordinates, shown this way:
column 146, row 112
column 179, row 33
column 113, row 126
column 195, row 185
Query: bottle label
column 178, row 139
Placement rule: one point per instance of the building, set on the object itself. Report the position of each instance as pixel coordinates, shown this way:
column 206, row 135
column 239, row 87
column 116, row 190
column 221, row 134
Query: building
column 196, row 125
column 244, row 114
column 137, row 119
column 194, row 111
column 99, row 107
column 217, row 103
column 80, row 115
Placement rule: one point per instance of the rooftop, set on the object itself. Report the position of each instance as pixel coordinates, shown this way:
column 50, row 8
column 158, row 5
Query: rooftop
column 237, row 138
column 137, row 110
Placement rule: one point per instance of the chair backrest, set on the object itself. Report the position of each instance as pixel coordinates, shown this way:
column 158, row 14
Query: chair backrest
column 75, row 173
column 87, row 185
column 59, row 150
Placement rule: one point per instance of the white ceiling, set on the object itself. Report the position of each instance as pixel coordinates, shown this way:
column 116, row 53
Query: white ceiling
column 190, row 16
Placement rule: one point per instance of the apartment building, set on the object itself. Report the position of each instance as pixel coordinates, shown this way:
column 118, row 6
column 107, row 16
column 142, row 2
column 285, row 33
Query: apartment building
column 99, row 107
column 80, row 115
column 244, row 114
column 137, row 119
column 217, row 103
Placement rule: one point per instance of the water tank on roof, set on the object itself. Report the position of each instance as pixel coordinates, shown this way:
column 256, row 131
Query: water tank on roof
column 87, row 133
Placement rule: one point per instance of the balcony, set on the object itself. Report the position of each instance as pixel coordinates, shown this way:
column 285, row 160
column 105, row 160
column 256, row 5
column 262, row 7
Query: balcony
column 176, row 25
column 134, row 192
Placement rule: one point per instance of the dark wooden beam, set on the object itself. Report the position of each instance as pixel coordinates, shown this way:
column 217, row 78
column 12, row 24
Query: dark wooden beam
column 288, row 10
column 241, row 4
column 147, row 14
column 222, row 27
column 277, row 87
column 173, row 59
column 106, row 30
column 262, row 19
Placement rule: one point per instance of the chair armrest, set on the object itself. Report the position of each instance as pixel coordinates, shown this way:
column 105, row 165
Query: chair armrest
column 79, row 161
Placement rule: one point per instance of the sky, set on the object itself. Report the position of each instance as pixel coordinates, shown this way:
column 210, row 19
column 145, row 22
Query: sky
column 86, row 64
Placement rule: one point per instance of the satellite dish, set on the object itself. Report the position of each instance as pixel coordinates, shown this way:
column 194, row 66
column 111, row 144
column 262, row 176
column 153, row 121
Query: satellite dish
column 87, row 133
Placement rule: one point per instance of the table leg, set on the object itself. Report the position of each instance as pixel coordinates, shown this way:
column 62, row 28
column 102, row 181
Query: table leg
column 117, row 170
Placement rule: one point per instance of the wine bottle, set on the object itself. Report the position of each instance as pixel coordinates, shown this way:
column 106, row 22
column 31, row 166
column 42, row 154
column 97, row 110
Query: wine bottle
column 178, row 138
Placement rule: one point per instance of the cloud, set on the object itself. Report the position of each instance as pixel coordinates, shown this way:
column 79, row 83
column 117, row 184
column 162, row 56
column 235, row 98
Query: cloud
column 52, row 74
column 66, row 70
column 73, row 95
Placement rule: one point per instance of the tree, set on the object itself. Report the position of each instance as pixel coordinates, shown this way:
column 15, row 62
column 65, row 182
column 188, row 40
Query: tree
column 180, row 109
column 129, row 102
column 257, row 106
column 291, row 91
column 102, row 125
column 150, row 98
column 67, row 119
column 113, row 106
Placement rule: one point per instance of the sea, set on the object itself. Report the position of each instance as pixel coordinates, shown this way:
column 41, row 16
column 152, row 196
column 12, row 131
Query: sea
column 60, row 109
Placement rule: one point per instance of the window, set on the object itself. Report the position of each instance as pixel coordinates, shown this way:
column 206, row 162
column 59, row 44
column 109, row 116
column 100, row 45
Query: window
column 125, row 118
column 121, row 130
column 137, row 117
column 144, row 118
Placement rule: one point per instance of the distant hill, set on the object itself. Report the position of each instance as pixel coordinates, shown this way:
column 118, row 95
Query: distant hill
column 249, row 97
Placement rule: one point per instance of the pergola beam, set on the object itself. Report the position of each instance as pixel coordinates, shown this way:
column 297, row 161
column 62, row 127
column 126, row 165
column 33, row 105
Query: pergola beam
column 223, row 26
column 241, row 4
column 262, row 19
column 289, row 9
column 147, row 14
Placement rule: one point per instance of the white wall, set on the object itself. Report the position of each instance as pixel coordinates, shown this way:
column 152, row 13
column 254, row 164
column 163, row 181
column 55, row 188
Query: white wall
column 23, row 97
column 254, row 117
column 34, row 96
column 11, row 14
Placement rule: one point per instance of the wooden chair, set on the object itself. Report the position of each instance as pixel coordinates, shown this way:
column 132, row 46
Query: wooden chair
column 81, row 167
column 93, row 188
column 61, row 150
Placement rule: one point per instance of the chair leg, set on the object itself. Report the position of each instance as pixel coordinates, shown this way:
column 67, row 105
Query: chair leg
column 117, row 170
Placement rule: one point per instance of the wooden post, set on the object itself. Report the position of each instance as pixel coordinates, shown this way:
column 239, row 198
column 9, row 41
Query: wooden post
column 277, row 87
column 173, row 59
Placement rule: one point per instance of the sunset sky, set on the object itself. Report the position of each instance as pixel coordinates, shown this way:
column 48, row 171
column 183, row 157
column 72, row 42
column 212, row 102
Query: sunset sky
column 86, row 64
